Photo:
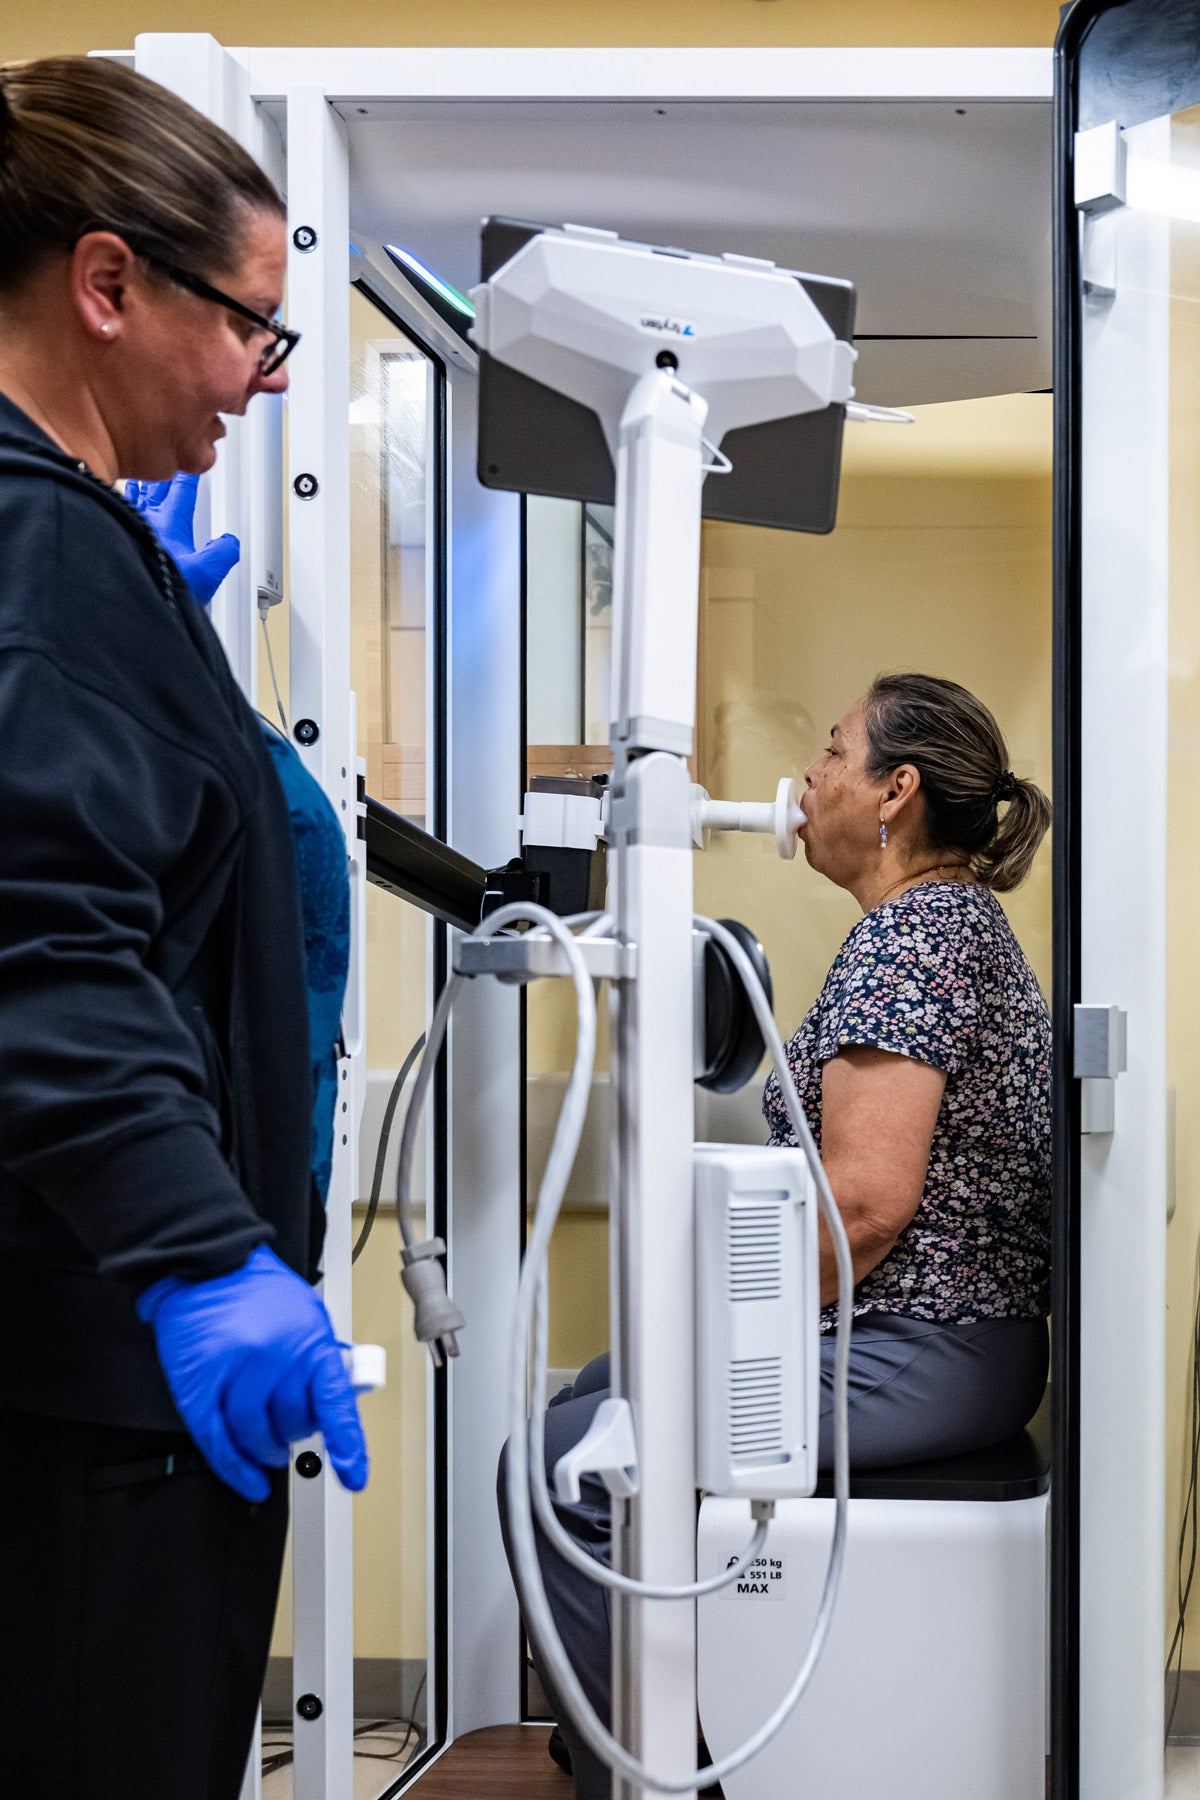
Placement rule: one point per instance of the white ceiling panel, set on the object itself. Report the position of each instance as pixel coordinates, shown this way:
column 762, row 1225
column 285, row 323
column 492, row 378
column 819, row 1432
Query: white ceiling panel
column 939, row 211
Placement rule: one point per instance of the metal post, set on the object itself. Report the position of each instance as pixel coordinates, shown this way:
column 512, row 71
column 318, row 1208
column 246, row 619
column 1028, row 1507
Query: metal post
column 322, row 719
column 485, row 1198
column 653, row 711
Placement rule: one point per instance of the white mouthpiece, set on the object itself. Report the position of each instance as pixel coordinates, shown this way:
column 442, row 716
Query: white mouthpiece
column 781, row 817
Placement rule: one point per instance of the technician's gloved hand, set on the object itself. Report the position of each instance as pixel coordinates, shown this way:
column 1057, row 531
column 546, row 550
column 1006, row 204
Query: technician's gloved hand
column 170, row 508
column 252, row 1364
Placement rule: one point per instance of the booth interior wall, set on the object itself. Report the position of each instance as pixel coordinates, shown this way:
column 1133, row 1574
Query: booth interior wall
column 939, row 563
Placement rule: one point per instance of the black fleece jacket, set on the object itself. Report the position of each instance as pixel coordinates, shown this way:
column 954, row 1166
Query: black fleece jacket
column 155, row 1099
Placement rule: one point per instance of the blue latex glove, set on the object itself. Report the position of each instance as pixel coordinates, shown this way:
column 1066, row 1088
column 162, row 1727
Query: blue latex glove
column 170, row 508
column 252, row 1364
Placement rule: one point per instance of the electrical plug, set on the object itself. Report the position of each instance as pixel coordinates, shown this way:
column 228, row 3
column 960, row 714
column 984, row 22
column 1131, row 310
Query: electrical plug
column 437, row 1320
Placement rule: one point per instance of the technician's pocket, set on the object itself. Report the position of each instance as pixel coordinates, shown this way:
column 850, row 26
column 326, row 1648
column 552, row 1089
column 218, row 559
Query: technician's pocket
column 172, row 1464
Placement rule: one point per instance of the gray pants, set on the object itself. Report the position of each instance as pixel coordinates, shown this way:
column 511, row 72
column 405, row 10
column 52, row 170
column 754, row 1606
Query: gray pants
column 917, row 1390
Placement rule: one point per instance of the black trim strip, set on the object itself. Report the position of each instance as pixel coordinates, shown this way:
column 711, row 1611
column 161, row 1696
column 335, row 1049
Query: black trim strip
column 524, row 1701
column 438, row 802
column 399, row 856
column 1064, row 1250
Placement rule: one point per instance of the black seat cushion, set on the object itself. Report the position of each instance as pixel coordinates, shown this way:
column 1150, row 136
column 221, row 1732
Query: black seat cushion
column 1016, row 1469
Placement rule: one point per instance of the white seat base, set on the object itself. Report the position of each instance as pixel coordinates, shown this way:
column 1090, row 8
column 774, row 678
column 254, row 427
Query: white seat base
column 932, row 1685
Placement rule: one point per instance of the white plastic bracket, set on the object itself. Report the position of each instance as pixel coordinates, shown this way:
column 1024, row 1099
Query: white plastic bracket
column 1100, row 1055
column 535, row 954
column 1100, row 158
column 608, row 1448
column 1100, row 168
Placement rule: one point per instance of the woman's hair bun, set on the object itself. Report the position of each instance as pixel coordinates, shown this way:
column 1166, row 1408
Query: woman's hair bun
column 955, row 744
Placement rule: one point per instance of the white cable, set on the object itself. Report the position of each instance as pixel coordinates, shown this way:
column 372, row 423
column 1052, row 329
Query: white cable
column 557, row 1534
column 538, row 1616
column 262, row 614
column 531, row 1312
column 412, row 1118
column 593, row 924
column 591, row 921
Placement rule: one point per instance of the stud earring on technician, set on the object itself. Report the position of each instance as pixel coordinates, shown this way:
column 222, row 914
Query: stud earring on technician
column 161, row 1345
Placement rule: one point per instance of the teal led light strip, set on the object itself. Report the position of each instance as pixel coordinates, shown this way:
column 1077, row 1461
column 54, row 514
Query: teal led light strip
column 442, row 288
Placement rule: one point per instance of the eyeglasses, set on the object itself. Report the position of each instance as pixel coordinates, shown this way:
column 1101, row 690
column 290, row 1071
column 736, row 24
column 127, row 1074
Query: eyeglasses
column 283, row 341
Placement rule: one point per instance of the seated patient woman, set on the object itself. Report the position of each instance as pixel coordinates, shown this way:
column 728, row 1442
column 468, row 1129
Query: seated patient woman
column 924, row 1069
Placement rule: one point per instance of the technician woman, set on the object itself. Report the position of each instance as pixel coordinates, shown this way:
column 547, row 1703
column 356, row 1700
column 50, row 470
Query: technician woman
column 924, row 1070
column 159, row 1220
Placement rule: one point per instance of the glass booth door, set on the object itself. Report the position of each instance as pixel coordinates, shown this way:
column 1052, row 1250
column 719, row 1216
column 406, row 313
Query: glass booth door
column 1128, row 689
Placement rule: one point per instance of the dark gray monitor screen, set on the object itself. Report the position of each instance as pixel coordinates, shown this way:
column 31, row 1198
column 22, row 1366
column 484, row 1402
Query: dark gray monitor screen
column 533, row 440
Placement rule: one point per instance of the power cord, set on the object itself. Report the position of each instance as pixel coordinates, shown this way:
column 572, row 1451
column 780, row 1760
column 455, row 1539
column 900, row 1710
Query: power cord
column 285, row 1753
column 437, row 1321
column 263, row 609
column 393, row 1100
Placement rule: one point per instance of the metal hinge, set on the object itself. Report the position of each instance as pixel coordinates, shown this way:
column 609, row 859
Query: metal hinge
column 1099, row 1056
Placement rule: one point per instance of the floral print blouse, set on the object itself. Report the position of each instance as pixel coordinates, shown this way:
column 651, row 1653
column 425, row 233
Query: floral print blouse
column 936, row 974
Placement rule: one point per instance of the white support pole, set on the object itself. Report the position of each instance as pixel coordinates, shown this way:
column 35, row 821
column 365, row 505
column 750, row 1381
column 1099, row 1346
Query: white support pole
column 653, row 709
column 322, row 718
column 485, row 1199
column 194, row 66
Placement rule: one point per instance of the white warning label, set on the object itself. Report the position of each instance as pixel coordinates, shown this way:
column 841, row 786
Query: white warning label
column 763, row 1580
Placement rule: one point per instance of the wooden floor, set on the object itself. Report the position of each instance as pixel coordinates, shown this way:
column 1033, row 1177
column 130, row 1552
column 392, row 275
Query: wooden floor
column 502, row 1762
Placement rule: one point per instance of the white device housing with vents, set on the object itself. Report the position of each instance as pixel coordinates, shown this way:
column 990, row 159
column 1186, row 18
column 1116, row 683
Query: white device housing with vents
column 757, row 1322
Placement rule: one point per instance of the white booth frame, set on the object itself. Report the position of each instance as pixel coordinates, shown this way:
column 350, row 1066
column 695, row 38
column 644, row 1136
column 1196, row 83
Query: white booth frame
column 240, row 88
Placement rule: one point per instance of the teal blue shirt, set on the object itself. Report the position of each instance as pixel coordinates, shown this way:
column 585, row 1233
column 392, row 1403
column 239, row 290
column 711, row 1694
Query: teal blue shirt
column 325, row 902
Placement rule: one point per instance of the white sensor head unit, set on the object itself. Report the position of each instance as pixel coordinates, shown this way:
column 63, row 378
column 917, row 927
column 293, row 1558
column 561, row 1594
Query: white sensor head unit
column 589, row 314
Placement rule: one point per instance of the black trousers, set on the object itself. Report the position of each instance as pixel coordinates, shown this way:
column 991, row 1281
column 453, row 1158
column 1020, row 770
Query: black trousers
column 137, row 1596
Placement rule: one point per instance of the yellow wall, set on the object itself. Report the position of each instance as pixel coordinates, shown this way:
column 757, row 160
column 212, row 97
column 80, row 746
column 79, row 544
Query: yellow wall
column 390, row 1539
column 1183, row 876
column 64, row 25
column 940, row 562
